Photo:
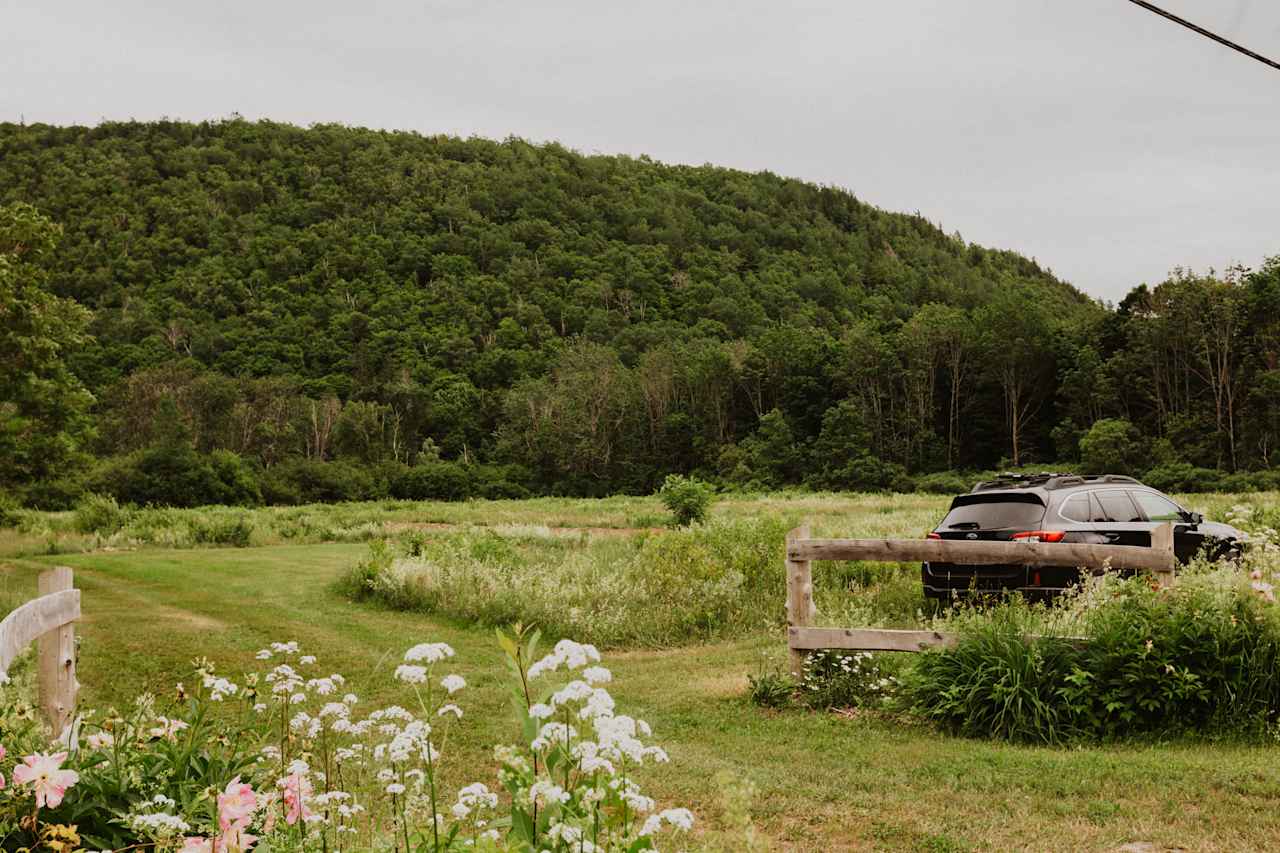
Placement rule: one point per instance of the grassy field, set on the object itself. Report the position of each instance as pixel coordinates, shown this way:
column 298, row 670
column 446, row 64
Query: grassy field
column 830, row 514
column 825, row 781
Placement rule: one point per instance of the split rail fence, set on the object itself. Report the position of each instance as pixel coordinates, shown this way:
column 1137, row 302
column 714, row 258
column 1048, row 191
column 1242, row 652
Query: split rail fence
column 49, row 621
column 803, row 637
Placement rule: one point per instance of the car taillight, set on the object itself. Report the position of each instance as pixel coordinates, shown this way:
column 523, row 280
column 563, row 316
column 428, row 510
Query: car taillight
column 934, row 536
column 1040, row 535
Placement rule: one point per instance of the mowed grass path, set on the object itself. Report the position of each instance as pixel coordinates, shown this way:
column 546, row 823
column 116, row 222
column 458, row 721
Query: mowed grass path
column 825, row 782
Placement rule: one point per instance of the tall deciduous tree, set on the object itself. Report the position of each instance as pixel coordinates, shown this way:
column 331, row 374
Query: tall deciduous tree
column 43, row 406
column 1016, row 345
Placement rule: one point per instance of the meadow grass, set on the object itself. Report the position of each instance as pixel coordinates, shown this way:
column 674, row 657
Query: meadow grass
column 654, row 589
column 825, row 781
column 830, row 514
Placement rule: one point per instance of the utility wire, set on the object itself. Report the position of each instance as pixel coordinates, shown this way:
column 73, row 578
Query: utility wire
column 1151, row 7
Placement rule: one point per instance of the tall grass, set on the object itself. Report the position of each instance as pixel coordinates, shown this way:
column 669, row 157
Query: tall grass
column 1122, row 658
column 649, row 590
column 658, row 588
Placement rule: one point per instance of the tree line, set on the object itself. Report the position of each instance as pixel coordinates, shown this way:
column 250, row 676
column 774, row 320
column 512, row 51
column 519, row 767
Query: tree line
column 237, row 311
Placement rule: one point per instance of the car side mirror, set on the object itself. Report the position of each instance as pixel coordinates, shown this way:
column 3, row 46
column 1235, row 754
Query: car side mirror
column 1192, row 517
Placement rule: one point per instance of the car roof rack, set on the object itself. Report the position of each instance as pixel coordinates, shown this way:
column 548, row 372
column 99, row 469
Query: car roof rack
column 1111, row 478
column 1049, row 480
column 1010, row 480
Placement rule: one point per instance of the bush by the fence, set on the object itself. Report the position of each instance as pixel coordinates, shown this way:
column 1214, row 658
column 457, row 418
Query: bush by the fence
column 1201, row 657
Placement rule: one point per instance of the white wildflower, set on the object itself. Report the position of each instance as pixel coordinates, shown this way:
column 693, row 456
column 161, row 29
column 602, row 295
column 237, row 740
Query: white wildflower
column 429, row 652
column 545, row 791
column 597, row 675
column 411, row 674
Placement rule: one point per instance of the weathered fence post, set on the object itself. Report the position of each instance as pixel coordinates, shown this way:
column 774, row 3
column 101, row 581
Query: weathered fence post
column 1162, row 541
column 800, row 608
column 57, row 657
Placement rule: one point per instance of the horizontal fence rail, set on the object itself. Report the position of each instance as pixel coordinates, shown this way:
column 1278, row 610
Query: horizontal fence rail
column 802, row 638
column 963, row 552
column 48, row 621
column 867, row 639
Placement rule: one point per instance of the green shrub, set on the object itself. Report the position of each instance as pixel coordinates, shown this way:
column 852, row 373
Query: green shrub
column 1111, row 446
column 100, row 514
column 1250, row 481
column 503, row 482
column 55, row 495
column 1183, row 477
column 10, row 510
column 686, row 498
column 839, row 679
column 1201, row 657
column 236, row 530
column 360, row 582
column 177, row 476
column 435, row 481
column 944, row 483
column 866, row 474
column 237, row 481
column 995, row 683
column 771, row 689
column 305, row 481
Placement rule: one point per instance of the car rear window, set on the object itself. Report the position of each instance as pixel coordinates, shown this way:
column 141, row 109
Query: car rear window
column 1076, row 508
column 994, row 512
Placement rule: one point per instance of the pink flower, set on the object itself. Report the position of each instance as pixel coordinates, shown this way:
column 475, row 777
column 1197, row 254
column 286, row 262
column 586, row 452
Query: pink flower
column 236, row 805
column 46, row 775
column 197, row 845
column 1, row 759
column 235, row 839
column 297, row 789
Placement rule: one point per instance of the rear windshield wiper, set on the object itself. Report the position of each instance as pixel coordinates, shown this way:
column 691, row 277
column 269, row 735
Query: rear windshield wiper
column 964, row 525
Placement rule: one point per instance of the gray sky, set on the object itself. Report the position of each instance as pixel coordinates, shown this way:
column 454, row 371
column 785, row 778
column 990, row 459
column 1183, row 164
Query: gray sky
column 1106, row 142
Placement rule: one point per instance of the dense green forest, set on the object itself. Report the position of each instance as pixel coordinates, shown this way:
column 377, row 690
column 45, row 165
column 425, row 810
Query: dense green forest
column 237, row 311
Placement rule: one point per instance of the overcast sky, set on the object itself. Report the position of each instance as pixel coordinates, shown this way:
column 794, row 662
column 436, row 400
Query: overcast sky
column 1104, row 141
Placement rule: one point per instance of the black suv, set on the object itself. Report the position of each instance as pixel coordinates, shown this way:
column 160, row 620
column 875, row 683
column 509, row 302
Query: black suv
column 1104, row 510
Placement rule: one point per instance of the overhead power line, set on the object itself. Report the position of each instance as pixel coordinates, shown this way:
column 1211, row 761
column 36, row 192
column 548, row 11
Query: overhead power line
column 1151, row 7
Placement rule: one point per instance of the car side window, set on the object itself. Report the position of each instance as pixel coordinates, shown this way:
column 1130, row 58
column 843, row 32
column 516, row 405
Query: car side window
column 1157, row 507
column 1076, row 508
column 1116, row 506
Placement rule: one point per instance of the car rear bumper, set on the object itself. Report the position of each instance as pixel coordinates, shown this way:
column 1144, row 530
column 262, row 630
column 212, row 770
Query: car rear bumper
column 948, row 581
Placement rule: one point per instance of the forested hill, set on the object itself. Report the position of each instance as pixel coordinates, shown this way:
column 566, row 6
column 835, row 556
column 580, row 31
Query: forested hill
column 408, row 252
column 335, row 292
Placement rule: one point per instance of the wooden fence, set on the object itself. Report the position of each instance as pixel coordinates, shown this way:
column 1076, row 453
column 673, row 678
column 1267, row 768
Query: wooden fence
column 49, row 620
column 803, row 638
